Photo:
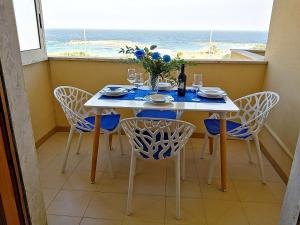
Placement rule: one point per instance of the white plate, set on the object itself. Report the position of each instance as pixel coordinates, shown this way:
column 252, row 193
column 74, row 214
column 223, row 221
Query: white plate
column 201, row 94
column 212, row 91
column 115, row 92
column 164, row 86
column 159, row 99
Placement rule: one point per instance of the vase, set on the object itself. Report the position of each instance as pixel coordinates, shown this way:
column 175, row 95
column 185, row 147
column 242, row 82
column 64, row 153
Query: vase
column 153, row 83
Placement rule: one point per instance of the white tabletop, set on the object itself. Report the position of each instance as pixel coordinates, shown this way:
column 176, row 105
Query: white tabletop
column 97, row 103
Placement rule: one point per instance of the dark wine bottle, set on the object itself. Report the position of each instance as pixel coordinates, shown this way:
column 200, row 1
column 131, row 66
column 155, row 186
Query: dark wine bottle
column 181, row 82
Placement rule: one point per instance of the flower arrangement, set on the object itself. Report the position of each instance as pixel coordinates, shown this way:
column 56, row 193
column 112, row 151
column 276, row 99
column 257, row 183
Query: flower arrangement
column 157, row 65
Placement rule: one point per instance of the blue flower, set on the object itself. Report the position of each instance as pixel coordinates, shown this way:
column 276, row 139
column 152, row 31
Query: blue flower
column 167, row 58
column 155, row 55
column 139, row 53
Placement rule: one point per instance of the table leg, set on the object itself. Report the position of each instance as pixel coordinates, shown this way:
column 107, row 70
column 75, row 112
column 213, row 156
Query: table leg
column 95, row 148
column 223, row 150
column 210, row 141
column 110, row 141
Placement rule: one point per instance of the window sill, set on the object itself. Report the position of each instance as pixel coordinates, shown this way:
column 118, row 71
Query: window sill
column 33, row 56
column 197, row 61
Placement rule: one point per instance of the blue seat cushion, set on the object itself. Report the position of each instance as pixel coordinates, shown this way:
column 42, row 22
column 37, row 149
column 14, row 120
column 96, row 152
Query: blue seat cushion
column 153, row 113
column 107, row 122
column 148, row 140
column 213, row 127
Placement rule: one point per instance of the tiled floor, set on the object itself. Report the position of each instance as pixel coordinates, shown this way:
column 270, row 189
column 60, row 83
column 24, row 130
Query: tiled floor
column 72, row 200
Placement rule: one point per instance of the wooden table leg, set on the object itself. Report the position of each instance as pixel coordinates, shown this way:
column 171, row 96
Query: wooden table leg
column 223, row 150
column 95, row 148
column 110, row 141
column 210, row 141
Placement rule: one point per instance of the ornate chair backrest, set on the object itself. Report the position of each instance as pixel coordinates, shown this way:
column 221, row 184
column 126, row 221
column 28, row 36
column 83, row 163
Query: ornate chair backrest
column 157, row 139
column 72, row 101
column 254, row 111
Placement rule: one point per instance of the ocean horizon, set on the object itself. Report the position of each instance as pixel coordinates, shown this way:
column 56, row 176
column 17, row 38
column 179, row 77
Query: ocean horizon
column 100, row 42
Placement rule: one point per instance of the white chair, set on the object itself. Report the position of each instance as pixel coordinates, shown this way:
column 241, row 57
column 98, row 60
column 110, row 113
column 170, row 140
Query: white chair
column 243, row 125
column 156, row 139
column 82, row 120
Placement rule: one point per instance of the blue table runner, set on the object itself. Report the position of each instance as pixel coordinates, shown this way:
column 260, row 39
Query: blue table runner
column 189, row 96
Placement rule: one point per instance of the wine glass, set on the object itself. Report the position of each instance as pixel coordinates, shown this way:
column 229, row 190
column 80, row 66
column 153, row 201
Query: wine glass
column 139, row 80
column 131, row 76
column 197, row 84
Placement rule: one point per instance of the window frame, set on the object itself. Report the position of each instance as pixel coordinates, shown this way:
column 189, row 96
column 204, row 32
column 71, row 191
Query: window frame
column 36, row 55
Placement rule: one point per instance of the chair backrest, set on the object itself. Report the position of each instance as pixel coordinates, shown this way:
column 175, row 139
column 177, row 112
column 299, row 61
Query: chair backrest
column 254, row 111
column 72, row 101
column 153, row 138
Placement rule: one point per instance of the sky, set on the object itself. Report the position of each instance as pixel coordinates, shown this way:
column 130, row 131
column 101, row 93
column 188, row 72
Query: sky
column 158, row 14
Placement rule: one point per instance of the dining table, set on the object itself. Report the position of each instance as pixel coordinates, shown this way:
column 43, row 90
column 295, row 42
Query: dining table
column 98, row 103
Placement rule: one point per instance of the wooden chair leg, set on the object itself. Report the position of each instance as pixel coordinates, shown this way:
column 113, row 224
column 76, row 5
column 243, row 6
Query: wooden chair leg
column 130, row 184
column 72, row 130
column 120, row 141
column 110, row 141
column 211, row 145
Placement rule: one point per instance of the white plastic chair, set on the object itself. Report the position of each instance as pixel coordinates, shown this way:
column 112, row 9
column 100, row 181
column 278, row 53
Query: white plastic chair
column 156, row 139
column 244, row 125
column 82, row 120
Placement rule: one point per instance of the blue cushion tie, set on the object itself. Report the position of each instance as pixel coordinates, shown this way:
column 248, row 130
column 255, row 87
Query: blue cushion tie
column 213, row 127
column 108, row 122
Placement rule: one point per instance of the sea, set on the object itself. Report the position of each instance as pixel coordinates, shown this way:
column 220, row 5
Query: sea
column 108, row 42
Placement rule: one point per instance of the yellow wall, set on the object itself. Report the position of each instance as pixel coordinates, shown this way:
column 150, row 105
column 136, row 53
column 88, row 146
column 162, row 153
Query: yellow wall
column 39, row 90
column 283, row 76
column 237, row 79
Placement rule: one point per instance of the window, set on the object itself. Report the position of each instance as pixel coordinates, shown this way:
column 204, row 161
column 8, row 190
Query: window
column 30, row 33
column 206, row 29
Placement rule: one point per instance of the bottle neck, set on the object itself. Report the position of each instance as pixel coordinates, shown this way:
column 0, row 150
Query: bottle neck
column 182, row 69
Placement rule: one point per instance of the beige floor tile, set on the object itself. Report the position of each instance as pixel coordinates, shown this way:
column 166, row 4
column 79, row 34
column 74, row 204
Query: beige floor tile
column 72, row 161
column 80, row 180
column 202, row 166
column 189, row 188
column 213, row 190
column 151, row 167
column 140, row 223
column 116, row 184
column 63, row 220
column 244, row 171
column 253, row 191
column 53, row 178
column 49, row 194
column 149, row 184
column 190, row 170
column 91, row 221
column 147, row 208
column 271, row 174
column 106, row 206
column 70, row 203
column 45, row 158
column 192, row 212
column 220, row 212
column 278, row 189
column 262, row 213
